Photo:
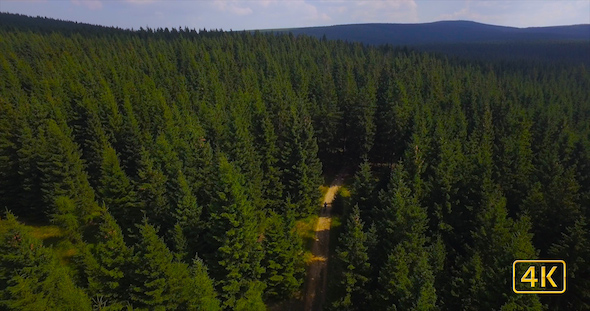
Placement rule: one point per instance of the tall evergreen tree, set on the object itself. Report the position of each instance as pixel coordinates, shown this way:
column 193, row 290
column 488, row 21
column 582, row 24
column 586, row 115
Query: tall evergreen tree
column 406, row 280
column 152, row 260
column 364, row 192
column 63, row 172
column 282, row 261
column 353, row 262
column 117, row 192
column 235, row 236
column 109, row 264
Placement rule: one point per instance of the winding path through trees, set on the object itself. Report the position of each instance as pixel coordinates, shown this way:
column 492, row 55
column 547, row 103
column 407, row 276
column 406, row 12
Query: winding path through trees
column 317, row 272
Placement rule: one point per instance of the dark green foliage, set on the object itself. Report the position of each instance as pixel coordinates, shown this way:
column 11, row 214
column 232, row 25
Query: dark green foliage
column 117, row 193
column 215, row 138
column 498, row 241
column 364, row 192
column 152, row 260
column 300, row 165
column 63, row 173
column 65, row 217
column 354, row 267
column 109, row 265
column 283, row 256
column 574, row 248
column 31, row 278
column 9, row 159
column 160, row 282
column 235, row 236
column 153, row 193
column 406, row 279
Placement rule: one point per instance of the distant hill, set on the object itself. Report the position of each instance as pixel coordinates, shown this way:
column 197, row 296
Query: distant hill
column 463, row 39
column 470, row 40
column 442, row 32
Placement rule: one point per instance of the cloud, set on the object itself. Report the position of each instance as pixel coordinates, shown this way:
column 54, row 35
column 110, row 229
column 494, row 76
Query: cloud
column 305, row 10
column 232, row 7
column 91, row 4
column 466, row 13
column 388, row 11
column 522, row 13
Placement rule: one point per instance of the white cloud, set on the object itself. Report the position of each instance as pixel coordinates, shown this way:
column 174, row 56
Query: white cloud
column 385, row 11
column 231, row 7
column 305, row 10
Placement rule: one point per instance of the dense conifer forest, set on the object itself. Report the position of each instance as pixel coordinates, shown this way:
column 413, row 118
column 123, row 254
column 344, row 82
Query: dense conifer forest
column 168, row 169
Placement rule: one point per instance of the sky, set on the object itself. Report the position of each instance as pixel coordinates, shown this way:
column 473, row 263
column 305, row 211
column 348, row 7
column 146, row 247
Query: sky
column 273, row 14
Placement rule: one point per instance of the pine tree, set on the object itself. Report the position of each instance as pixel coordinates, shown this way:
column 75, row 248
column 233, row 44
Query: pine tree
column 284, row 268
column 153, row 193
column 267, row 142
column 202, row 288
column 152, row 260
column 117, row 192
column 406, row 280
column 574, row 249
column 90, row 136
column 30, row 197
column 362, row 125
column 300, row 164
column 108, row 269
column 188, row 216
column 129, row 140
column 234, row 234
column 353, row 262
column 63, row 172
column 399, row 216
column 498, row 241
column 9, row 177
column 364, row 192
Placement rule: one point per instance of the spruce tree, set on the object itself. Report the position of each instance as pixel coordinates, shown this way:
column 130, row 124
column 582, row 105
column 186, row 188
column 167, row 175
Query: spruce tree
column 188, row 216
column 574, row 249
column 282, row 260
column 364, row 192
column 406, row 280
column 498, row 241
column 151, row 262
column 153, row 193
column 234, row 235
column 9, row 177
column 63, row 172
column 353, row 262
column 117, row 192
column 109, row 269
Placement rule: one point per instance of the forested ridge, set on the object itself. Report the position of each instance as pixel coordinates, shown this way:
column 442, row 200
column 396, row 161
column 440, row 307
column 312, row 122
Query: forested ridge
column 175, row 165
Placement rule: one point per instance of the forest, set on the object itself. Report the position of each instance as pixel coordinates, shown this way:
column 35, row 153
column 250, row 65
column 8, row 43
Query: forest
column 173, row 169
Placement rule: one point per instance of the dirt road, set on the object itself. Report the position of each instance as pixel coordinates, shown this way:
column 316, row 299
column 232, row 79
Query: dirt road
column 317, row 272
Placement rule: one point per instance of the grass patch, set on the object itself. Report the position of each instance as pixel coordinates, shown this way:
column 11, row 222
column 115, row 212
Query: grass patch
column 305, row 228
column 53, row 236
column 344, row 192
column 46, row 232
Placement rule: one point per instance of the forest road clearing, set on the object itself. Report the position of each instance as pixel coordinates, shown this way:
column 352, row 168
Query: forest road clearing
column 317, row 272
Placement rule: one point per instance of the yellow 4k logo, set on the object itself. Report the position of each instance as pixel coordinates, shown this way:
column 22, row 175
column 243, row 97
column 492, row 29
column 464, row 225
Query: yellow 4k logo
column 549, row 280
column 544, row 276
